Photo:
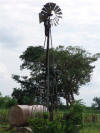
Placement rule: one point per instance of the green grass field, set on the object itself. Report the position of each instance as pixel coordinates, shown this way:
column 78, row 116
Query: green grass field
column 92, row 128
column 91, row 122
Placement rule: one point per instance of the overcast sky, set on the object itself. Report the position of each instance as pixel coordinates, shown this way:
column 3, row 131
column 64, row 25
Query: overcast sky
column 20, row 28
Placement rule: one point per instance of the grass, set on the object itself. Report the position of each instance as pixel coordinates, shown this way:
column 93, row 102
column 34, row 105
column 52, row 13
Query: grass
column 3, row 116
column 4, row 121
column 2, row 130
column 91, row 128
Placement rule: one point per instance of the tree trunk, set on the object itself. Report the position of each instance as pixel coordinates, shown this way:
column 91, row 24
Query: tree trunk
column 72, row 95
column 51, row 117
column 67, row 101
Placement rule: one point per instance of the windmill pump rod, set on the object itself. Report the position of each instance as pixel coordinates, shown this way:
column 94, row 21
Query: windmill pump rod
column 47, row 69
column 47, row 33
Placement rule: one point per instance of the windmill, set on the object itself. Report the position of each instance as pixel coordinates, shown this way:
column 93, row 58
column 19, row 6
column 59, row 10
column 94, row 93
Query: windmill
column 50, row 16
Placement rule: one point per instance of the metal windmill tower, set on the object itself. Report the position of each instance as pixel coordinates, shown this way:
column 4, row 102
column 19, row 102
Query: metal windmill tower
column 49, row 15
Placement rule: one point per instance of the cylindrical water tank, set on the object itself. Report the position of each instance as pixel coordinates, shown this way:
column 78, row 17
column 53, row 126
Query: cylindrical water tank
column 18, row 115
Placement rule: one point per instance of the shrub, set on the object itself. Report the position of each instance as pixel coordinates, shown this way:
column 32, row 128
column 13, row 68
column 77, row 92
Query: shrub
column 7, row 101
column 73, row 118
column 3, row 116
column 46, row 126
column 71, row 122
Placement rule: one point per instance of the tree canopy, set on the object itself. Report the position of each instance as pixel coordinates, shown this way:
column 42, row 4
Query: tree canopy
column 70, row 68
column 96, row 103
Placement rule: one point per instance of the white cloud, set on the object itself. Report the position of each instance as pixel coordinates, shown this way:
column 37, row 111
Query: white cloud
column 3, row 71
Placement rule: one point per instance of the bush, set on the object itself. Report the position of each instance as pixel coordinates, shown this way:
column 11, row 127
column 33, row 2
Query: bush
column 73, row 118
column 7, row 102
column 46, row 126
column 71, row 122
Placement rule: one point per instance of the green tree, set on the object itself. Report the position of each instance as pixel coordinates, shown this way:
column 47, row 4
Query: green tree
column 96, row 103
column 70, row 68
column 7, row 101
column 31, row 86
column 75, row 66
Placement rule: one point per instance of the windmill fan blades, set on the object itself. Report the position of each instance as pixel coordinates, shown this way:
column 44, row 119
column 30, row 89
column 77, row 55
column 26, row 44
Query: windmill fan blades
column 52, row 11
column 47, row 6
column 58, row 16
column 50, row 6
column 58, row 10
column 60, row 13
column 56, row 7
column 44, row 9
column 56, row 20
column 43, row 13
column 55, row 23
column 53, row 6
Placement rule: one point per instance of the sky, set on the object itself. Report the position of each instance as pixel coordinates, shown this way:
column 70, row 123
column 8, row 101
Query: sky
column 20, row 28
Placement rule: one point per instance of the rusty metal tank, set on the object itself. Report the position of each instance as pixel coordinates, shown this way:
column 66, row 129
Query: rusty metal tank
column 19, row 114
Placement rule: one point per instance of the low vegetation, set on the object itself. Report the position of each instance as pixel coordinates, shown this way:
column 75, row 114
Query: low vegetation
column 6, row 102
column 3, row 116
column 84, row 119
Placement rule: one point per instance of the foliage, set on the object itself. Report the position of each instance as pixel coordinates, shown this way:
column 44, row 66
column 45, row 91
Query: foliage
column 75, row 68
column 74, row 117
column 3, row 116
column 24, row 96
column 34, row 85
column 88, row 127
column 71, row 122
column 96, row 103
column 4, row 129
column 70, row 68
column 91, row 129
column 7, row 102
column 44, row 126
